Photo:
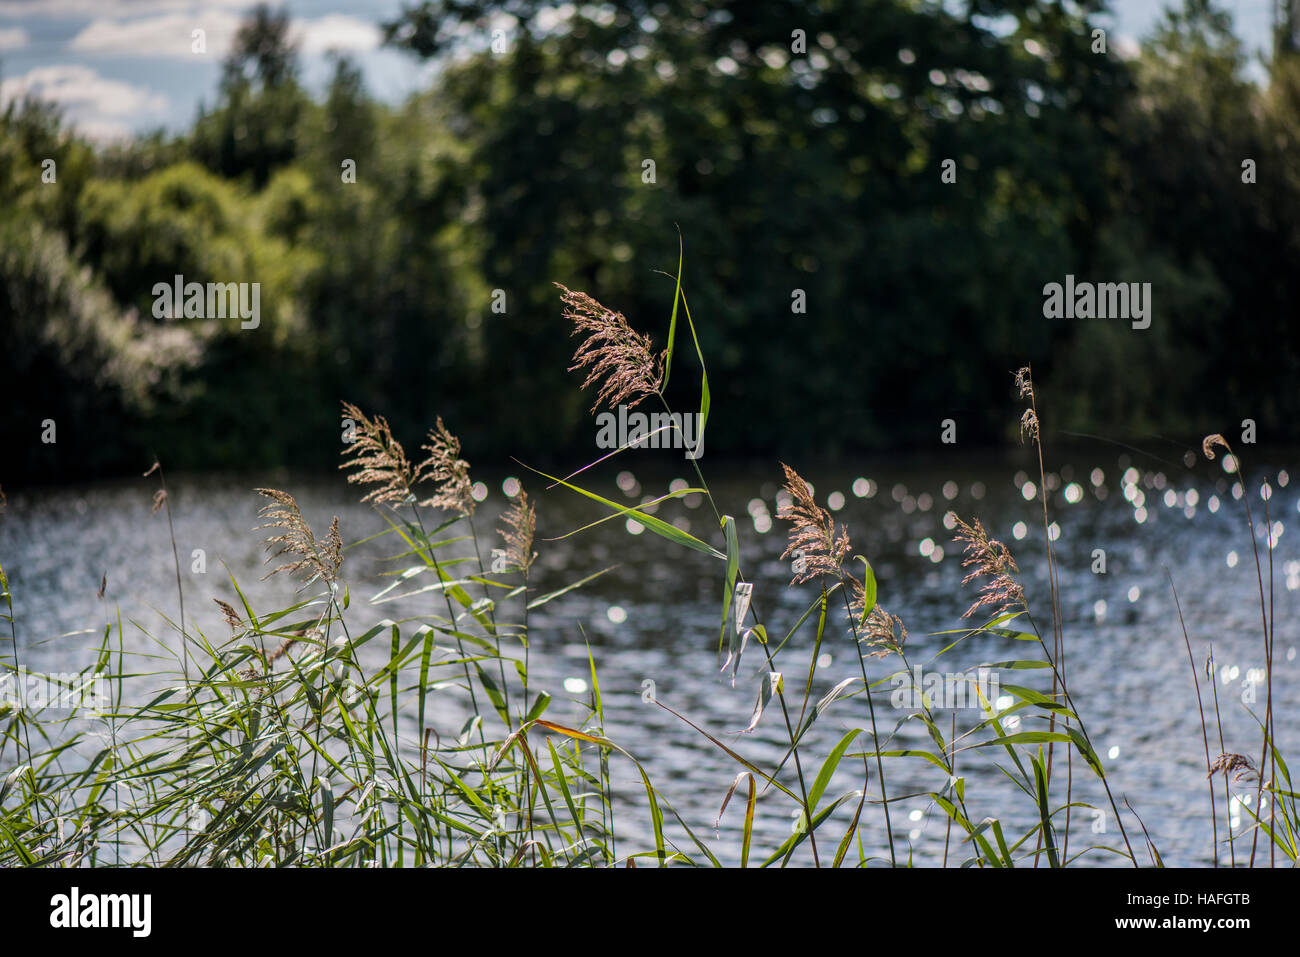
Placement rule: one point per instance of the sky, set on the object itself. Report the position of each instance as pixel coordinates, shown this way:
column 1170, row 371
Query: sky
column 119, row 67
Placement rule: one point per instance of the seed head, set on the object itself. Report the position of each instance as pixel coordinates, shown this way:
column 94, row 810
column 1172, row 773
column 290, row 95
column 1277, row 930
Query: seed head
column 821, row 547
column 297, row 541
column 1229, row 763
column 521, row 525
column 883, row 632
column 1024, row 384
column 377, row 457
column 1029, row 426
column 1210, row 441
column 988, row 559
column 451, row 473
column 619, row 360
column 229, row 614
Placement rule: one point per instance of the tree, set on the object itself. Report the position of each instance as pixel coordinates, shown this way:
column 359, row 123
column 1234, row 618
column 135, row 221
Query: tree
column 797, row 146
column 254, row 129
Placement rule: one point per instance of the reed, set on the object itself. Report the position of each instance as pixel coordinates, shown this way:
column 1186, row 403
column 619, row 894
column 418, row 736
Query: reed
column 307, row 735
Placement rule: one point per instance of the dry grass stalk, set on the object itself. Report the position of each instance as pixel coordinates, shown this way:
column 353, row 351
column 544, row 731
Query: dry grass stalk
column 1025, row 390
column 617, row 358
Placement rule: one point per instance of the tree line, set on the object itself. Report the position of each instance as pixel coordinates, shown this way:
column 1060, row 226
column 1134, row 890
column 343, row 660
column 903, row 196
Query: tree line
column 872, row 197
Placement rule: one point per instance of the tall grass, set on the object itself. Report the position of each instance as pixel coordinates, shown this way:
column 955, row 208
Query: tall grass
column 316, row 734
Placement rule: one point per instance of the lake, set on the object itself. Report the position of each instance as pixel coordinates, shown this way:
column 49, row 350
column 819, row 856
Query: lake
column 655, row 617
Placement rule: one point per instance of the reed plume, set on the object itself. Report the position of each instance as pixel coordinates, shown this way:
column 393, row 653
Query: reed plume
column 1025, row 390
column 818, row 545
column 617, row 358
column 229, row 614
column 1024, row 383
column 293, row 639
column 521, row 525
column 884, row 631
column 1238, row 765
column 988, row 559
column 378, row 459
column 1029, row 426
column 451, row 473
column 297, row 541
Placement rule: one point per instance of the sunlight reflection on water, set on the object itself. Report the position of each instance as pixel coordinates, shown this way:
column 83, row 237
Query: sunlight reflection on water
column 655, row 617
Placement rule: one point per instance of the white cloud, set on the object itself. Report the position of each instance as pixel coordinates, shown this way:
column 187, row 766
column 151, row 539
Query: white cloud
column 170, row 35
column 336, row 31
column 14, row 39
column 94, row 104
column 71, row 9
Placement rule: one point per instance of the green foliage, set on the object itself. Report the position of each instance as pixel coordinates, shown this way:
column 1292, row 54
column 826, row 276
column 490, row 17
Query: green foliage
column 817, row 171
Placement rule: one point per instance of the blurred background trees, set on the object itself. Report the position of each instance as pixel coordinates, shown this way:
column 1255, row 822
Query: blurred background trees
column 797, row 146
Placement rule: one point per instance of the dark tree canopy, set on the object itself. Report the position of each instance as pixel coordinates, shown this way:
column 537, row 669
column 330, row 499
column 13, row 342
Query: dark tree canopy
column 872, row 195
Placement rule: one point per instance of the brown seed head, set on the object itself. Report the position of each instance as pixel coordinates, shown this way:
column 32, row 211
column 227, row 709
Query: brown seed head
column 521, row 525
column 989, row 559
column 378, row 458
column 618, row 359
column 1229, row 763
column 451, row 473
column 1210, row 441
column 1024, row 384
column 289, row 642
column 1029, row 426
column 883, row 632
column 816, row 542
column 297, row 541
column 229, row 614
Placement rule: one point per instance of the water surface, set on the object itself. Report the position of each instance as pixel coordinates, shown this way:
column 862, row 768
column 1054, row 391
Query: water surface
column 655, row 618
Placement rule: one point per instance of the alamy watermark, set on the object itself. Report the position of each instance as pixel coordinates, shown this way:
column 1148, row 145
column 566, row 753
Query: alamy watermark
column 654, row 430
column 27, row 690
column 214, row 300
column 75, row 909
column 1100, row 300
column 944, row 690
